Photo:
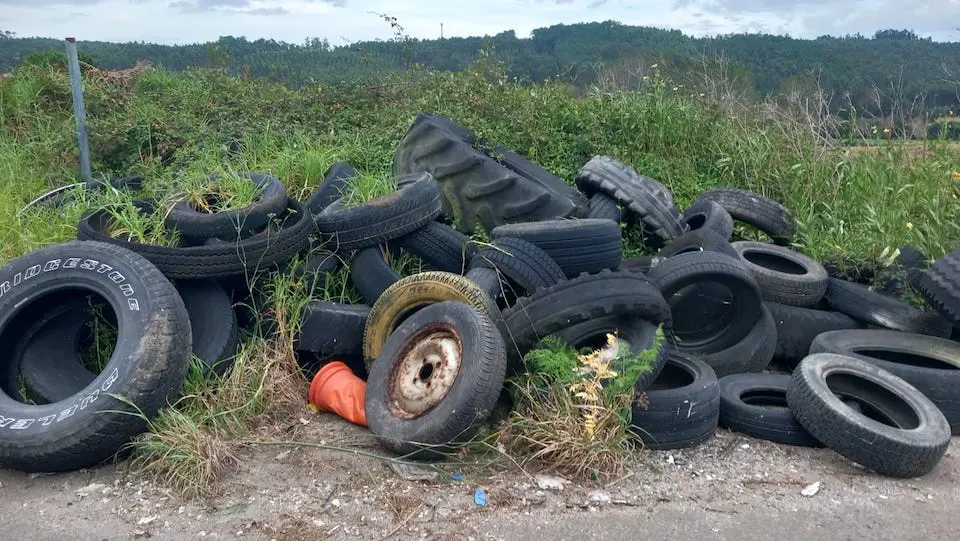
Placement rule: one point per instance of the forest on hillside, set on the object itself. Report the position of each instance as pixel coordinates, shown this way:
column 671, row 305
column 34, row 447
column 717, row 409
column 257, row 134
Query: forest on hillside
column 875, row 74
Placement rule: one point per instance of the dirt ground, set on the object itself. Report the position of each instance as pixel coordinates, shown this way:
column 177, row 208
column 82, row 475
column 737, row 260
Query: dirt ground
column 733, row 487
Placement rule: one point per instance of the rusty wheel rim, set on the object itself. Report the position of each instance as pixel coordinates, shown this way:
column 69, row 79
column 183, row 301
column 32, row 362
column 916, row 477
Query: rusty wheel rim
column 425, row 371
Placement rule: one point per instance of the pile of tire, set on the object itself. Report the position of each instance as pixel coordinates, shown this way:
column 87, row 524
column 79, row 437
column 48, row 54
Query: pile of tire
column 760, row 338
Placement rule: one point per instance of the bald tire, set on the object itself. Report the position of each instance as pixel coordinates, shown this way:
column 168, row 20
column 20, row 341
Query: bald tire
column 417, row 291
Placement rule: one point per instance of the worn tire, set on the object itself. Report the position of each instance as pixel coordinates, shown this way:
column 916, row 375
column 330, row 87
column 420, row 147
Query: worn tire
column 371, row 274
column 230, row 224
column 147, row 368
column 910, row 445
column 589, row 296
column 578, row 246
column 784, row 275
column 676, row 273
column 440, row 246
column 335, row 181
column 382, row 219
column 707, row 214
column 752, row 354
column 402, row 414
column 940, row 286
column 236, row 259
column 646, row 199
column 865, row 305
column 929, row 363
column 797, row 327
column 412, row 293
column 604, row 207
column 522, row 262
column 681, row 408
column 756, row 405
column 754, row 209
column 332, row 329
column 699, row 240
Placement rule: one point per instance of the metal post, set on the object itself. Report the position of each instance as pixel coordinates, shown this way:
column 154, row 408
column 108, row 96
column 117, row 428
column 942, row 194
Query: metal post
column 79, row 111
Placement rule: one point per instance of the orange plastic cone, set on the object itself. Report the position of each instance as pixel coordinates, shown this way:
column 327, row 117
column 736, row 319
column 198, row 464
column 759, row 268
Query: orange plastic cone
column 336, row 389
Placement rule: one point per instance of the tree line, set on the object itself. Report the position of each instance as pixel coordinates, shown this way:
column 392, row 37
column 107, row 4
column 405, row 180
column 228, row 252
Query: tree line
column 870, row 73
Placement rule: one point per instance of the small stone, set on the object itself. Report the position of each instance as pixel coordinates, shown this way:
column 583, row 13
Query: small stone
column 147, row 520
column 550, row 482
column 599, row 497
column 91, row 488
column 335, row 502
column 745, row 446
column 670, row 459
column 811, row 489
column 282, row 455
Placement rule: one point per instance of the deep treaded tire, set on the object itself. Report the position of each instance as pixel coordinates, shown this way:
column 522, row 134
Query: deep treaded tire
column 910, row 444
column 589, row 296
column 707, row 214
column 440, row 246
column 784, row 275
column 646, row 198
column 757, row 210
column 604, row 207
column 698, row 240
column 756, row 405
column 524, row 263
column 709, row 333
column 147, row 368
column 245, row 257
column 382, row 219
column 578, row 246
column 436, row 380
column 479, row 192
column 929, row 363
column 940, row 286
column 230, row 224
column 861, row 303
column 682, row 406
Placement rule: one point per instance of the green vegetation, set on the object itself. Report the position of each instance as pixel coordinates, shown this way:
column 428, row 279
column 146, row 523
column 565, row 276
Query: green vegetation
column 166, row 126
column 866, row 76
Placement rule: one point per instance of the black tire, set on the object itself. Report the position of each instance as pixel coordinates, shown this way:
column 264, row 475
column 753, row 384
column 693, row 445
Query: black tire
column 52, row 368
column 332, row 329
column 147, row 368
column 911, row 258
column 702, row 239
column 401, row 413
column 589, row 296
column 710, row 333
column 334, row 183
column 754, row 209
column 236, row 259
column 522, row 262
column 383, row 219
column 604, row 207
column 929, row 363
column 756, row 405
column 646, row 199
column 578, row 246
column 940, row 286
column 229, row 224
column 909, row 441
column 315, row 269
column 479, row 192
column 440, row 246
column 370, row 273
column 861, row 303
column 752, row 354
column 784, row 275
column 638, row 333
column 707, row 214
column 486, row 279
column 797, row 327
column 681, row 408
column 641, row 264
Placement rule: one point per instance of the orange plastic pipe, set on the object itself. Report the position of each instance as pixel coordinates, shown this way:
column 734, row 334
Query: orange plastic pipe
column 337, row 390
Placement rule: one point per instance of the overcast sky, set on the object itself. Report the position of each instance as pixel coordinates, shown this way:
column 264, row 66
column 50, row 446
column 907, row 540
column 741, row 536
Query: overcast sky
column 344, row 21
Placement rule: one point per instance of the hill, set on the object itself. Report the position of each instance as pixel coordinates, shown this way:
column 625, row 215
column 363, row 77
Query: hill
column 878, row 75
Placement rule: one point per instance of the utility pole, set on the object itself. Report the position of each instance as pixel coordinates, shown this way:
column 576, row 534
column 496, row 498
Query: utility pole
column 79, row 111
column 441, row 30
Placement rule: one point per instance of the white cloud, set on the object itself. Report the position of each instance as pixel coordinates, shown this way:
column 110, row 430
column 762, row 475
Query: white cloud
column 343, row 21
